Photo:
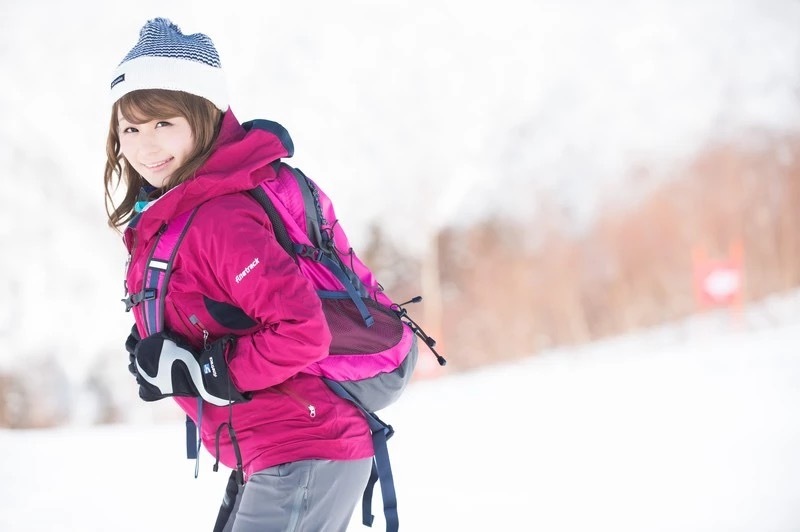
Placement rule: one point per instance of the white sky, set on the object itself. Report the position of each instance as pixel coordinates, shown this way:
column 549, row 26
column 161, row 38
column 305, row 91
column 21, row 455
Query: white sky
column 691, row 427
column 415, row 108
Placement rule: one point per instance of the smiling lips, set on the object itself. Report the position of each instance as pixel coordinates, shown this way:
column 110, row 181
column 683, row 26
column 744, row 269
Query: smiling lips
column 158, row 165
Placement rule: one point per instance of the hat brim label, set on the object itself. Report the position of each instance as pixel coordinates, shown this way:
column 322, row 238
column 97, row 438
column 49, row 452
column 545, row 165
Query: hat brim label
column 118, row 80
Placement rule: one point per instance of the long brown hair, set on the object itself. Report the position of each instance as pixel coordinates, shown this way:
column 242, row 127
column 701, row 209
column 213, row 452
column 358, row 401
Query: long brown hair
column 142, row 106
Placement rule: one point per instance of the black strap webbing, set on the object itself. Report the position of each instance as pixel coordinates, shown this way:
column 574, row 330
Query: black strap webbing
column 311, row 206
column 281, row 234
column 381, row 466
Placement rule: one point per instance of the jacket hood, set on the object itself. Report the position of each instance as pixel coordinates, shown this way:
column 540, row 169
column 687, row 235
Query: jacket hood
column 239, row 161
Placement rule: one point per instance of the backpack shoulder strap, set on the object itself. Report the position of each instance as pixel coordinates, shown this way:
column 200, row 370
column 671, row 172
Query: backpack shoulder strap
column 157, row 272
column 314, row 218
column 154, row 289
column 278, row 227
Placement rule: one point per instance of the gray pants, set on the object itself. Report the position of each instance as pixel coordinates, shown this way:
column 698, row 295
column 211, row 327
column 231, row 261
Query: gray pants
column 304, row 496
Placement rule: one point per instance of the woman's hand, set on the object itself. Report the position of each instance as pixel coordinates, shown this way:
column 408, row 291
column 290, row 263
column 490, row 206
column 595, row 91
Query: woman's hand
column 166, row 366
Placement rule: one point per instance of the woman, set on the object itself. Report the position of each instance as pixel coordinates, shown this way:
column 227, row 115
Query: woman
column 235, row 296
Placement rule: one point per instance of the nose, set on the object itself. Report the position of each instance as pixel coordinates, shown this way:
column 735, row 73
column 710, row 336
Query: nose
column 148, row 141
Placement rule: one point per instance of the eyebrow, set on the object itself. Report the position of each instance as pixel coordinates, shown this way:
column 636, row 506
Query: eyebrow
column 130, row 123
column 148, row 120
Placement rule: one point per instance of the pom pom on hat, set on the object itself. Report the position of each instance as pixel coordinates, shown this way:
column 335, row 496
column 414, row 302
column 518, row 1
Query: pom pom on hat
column 165, row 58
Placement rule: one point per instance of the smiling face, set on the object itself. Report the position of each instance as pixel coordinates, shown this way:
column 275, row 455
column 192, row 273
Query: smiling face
column 156, row 149
column 156, row 136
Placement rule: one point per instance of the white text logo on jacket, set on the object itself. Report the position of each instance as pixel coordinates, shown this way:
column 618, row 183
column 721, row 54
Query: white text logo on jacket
column 247, row 270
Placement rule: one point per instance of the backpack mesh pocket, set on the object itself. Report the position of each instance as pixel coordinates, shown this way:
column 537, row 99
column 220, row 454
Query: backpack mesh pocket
column 350, row 333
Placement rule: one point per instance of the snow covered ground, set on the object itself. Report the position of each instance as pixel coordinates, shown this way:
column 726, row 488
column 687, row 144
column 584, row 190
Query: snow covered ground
column 691, row 428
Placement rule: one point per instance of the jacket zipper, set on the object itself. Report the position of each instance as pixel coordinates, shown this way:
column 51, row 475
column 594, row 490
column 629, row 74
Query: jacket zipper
column 134, row 241
column 312, row 410
column 125, row 278
column 196, row 322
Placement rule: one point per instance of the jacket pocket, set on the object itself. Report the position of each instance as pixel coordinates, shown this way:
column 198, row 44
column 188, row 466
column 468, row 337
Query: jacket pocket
column 191, row 327
column 308, row 407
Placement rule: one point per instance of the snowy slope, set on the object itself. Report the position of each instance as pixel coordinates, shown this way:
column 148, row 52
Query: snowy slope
column 691, row 427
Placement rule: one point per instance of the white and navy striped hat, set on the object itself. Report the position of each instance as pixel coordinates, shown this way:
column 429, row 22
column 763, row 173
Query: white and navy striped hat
column 165, row 58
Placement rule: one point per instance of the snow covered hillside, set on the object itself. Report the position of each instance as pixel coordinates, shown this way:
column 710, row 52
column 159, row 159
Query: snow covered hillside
column 692, row 427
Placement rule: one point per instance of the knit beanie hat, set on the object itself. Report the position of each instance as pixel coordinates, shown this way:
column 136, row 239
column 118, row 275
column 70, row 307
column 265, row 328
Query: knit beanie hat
column 165, row 58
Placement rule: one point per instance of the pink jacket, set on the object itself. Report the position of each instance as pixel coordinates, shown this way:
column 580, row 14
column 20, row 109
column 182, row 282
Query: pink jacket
column 230, row 276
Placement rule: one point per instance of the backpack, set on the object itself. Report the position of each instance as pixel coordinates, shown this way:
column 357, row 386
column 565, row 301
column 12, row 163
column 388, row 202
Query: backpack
column 373, row 350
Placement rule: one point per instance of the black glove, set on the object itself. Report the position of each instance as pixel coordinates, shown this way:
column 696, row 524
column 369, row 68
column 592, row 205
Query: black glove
column 167, row 366
column 130, row 346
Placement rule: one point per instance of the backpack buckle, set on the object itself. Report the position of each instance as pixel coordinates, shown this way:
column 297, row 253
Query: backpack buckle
column 311, row 252
column 134, row 299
